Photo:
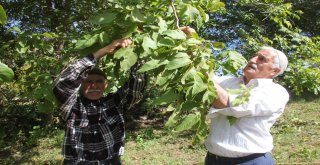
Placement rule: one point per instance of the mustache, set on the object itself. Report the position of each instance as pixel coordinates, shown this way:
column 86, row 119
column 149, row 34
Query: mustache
column 252, row 65
column 94, row 90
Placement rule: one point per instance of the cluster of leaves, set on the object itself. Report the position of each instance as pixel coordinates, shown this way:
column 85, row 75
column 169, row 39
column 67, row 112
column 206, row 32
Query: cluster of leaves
column 181, row 67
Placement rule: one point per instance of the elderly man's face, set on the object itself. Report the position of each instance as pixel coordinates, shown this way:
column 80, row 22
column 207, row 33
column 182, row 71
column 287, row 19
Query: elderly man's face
column 93, row 87
column 260, row 65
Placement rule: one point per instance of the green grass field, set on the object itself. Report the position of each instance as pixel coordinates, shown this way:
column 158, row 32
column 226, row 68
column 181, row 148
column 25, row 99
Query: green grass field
column 296, row 139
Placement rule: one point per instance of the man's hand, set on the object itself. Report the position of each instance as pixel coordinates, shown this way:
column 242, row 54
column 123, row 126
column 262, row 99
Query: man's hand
column 110, row 49
column 187, row 30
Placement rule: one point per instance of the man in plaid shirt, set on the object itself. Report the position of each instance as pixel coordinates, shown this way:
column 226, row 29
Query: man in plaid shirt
column 95, row 126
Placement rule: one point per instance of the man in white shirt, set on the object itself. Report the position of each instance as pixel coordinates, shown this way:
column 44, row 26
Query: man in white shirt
column 248, row 140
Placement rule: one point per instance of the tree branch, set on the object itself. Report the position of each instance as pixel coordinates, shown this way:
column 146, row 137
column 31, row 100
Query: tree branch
column 175, row 13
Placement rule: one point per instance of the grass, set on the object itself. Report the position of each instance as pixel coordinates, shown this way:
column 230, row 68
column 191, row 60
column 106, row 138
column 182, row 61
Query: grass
column 152, row 146
column 296, row 139
column 296, row 134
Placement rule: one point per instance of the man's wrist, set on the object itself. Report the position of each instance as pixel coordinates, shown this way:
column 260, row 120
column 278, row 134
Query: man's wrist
column 103, row 51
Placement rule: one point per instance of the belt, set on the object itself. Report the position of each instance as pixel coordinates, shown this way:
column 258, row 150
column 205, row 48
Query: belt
column 244, row 158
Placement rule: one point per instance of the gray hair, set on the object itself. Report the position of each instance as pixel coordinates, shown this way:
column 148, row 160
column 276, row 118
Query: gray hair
column 280, row 61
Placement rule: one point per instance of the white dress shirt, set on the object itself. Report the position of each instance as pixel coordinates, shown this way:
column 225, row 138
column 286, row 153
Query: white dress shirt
column 251, row 131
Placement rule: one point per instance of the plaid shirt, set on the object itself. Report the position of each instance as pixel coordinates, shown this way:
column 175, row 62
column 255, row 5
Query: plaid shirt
column 95, row 129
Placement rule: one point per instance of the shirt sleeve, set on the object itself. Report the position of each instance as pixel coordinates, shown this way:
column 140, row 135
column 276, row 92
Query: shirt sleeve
column 132, row 92
column 67, row 84
column 262, row 102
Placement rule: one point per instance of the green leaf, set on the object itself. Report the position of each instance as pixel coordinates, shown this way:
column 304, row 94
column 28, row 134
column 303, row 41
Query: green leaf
column 88, row 41
column 202, row 130
column 45, row 107
column 122, row 52
column 162, row 24
column 232, row 119
column 6, row 73
column 128, row 62
column 234, row 61
column 198, row 85
column 167, row 42
column 129, row 58
column 208, row 97
column 190, row 14
column 49, row 35
column 148, row 43
column 163, row 78
column 175, row 34
column 193, row 41
column 179, row 55
column 166, row 98
column 149, row 65
column 173, row 119
column 214, row 5
column 104, row 38
column 178, row 63
column 190, row 105
column 103, row 19
column 243, row 94
column 188, row 122
column 15, row 29
column 3, row 16
column 137, row 16
column 218, row 45
column 152, row 64
column 133, row 28
column 22, row 48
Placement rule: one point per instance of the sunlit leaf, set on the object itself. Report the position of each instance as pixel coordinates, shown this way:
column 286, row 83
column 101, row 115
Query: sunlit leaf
column 6, row 73
column 218, row 45
column 104, row 18
column 173, row 119
column 129, row 58
column 168, row 42
column 104, row 38
column 3, row 16
column 214, row 5
column 162, row 25
column 198, row 85
column 87, row 41
column 148, row 43
column 163, row 78
column 178, row 63
column 166, row 98
column 149, row 65
column 137, row 16
column 188, row 122
column 175, row 34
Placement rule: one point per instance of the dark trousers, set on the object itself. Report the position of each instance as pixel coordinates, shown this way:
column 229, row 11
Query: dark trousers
column 113, row 161
column 254, row 159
